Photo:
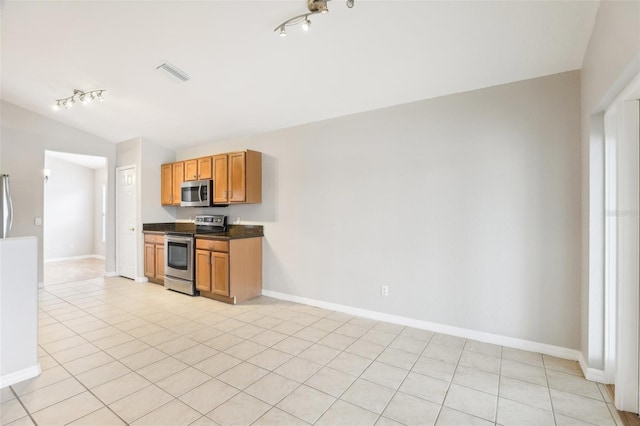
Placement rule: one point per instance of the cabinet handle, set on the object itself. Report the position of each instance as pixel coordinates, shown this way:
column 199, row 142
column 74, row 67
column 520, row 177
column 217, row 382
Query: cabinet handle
column 230, row 194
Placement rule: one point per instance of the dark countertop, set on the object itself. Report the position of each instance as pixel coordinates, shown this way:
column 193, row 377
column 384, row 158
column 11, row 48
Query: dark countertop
column 233, row 232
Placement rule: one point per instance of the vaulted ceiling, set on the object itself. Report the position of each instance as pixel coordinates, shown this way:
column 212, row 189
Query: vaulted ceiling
column 246, row 79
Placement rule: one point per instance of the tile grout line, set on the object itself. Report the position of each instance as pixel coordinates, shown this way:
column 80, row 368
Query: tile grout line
column 546, row 378
column 451, row 381
column 499, row 384
column 23, row 407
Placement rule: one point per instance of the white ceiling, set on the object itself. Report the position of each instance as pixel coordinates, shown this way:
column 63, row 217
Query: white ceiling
column 245, row 79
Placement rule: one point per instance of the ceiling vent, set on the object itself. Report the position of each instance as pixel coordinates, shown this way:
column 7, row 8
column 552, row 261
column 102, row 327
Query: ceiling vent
column 174, row 71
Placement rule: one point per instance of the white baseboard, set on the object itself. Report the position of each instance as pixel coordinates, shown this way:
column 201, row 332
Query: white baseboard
column 86, row 256
column 110, row 274
column 511, row 342
column 591, row 373
column 142, row 279
column 19, row 376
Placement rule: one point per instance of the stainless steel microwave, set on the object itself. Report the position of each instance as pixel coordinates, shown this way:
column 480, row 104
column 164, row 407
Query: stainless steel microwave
column 197, row 193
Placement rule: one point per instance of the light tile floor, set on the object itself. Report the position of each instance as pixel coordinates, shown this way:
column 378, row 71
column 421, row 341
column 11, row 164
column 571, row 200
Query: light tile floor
column 65, row 271
column 116, row 352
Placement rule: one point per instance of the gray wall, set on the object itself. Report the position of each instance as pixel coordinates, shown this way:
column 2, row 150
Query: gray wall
column 467, row 206
column 25, row 136
column 611, row 61
column 153, row 156
column 69, row 203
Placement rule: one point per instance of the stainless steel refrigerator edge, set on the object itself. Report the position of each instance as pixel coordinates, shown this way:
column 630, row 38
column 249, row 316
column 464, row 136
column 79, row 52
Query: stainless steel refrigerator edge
column 6, row 208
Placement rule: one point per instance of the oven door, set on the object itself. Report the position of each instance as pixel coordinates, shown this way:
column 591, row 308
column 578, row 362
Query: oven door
column 178, row 257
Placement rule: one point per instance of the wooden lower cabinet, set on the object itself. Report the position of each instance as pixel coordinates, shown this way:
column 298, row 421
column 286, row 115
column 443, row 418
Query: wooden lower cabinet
column 212, row 272
column 229, row 271
column 154, row 258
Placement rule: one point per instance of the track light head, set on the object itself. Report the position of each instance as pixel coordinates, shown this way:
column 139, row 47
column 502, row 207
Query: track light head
column 306, row 24
column 350, row 3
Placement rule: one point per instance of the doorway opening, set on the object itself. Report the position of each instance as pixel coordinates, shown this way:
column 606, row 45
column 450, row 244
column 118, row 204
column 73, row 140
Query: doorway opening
column 75, row 217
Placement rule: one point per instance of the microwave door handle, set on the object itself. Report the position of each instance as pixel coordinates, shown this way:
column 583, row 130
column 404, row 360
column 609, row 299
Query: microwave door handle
column 200, row 193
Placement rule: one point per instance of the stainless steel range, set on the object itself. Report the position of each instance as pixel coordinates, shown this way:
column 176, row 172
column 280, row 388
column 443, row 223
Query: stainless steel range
column 179, row 265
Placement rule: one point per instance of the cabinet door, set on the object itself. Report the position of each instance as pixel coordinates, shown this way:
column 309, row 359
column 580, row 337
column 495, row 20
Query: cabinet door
column 204, row 168
column 160, row 261
column 191, row 170
column 203, row 270
column 149, row 260
column 166, row 184
column 220, row 176
column 220, row 272
column 237, row 182
column 178, row 178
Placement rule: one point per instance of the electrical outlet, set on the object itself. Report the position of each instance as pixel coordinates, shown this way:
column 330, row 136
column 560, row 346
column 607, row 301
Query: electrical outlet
column 384, row 290
column 37, row 221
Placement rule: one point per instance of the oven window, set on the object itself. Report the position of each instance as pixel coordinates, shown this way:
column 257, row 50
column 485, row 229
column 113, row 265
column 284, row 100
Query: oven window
column 177, row 255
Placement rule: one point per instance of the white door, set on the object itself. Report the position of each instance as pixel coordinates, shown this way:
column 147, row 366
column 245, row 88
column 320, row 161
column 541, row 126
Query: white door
column 126, row 196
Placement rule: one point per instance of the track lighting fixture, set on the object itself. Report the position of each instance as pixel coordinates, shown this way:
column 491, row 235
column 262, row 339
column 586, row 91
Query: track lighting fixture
column 314, row 6
column 84, row 97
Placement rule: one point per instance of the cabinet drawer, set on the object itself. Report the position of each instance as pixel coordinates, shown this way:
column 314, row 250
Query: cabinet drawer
column 154, row 238
column 212, row 245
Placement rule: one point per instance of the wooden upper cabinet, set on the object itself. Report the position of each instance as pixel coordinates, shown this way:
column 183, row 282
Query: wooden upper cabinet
column 197, row 169
column 166, row 184
column 237, row 177
column 204, row 168
column 171, row 177
column 178, row 178
column 220, row 179
column 245, row 177
column 191, row 170
column 253, row 177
